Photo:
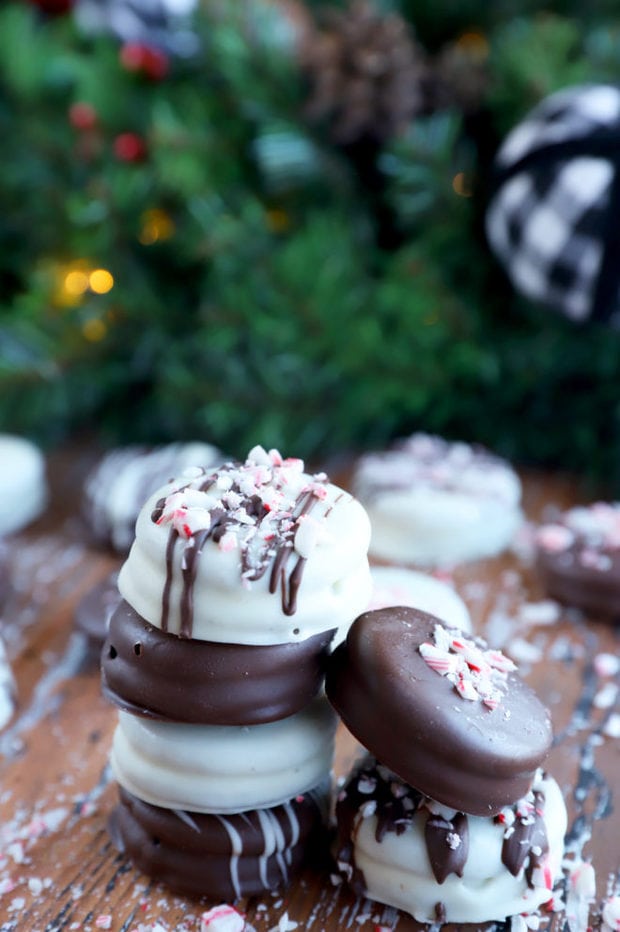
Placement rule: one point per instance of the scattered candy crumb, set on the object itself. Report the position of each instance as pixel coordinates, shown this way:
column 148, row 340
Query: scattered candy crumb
column 223, row 918
column 611, row 913
column 606, row 696
column 611, row 728
column 606, row 664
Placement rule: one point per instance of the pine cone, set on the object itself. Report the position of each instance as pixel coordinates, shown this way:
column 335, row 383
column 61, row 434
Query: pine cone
column 366, row 74
column 460, row 74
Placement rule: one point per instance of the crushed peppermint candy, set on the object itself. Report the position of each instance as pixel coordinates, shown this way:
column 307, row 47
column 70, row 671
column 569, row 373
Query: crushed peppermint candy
column 606, row 664
column 581, row 878
column 254, row 508
column 611, row 913
column 597, row 525
column 427, row 461
column 284, row 924
column 476, row 672
column 606, row 697
column 611, row 728
column 223, row 918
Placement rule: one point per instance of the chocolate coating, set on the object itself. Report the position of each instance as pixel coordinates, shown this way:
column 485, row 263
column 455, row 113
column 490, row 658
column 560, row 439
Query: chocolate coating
column 156, row 674
column 194, row 854
column 459, row 752
column 93, row 611
column 590, row 587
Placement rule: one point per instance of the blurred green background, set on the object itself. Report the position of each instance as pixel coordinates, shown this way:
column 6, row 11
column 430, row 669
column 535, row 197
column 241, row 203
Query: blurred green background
column 280, row 237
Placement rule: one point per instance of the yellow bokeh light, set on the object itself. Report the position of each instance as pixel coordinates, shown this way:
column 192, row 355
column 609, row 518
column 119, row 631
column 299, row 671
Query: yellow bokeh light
column 94, row 330
column 474, row 44
column 101, row 281
column 75, row 282
column 278, row 220
column 461, row 185
column 157, row 226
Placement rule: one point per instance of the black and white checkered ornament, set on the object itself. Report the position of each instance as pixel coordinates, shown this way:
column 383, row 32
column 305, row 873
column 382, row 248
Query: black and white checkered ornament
column 553, row 220
column 164, row 24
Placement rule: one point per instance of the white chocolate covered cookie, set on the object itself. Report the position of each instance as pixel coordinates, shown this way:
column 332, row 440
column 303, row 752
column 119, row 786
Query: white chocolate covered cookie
column 221, row 768
column 119, row 484
column 434, row 503
column 257, row 553
column 22, row 477
column 395, row 585
column 401, row 848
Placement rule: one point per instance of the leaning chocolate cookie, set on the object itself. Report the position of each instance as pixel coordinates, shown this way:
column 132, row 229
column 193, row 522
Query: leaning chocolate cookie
column 159, row 675
column 578, row 558
column 400, row 847
column 220, row 856
column 449, row 716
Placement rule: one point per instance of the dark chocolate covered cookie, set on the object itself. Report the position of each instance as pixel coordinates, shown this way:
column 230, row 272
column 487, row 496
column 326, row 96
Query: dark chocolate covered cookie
column 450, row 717
column 150, row 672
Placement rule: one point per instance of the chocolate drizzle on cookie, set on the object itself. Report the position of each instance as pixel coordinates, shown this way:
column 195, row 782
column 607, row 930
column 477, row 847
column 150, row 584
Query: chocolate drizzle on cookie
column 447, row 844
column 526, row 838
column 257, row 508
column 373, row 790
column 218, row 856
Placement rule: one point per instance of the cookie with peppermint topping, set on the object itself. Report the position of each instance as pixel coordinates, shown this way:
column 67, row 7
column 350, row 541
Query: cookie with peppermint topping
column 450, row 817
column 434, row 502
column 449, row 715
column 258, row 552
column 402, row 848
column 578, row 558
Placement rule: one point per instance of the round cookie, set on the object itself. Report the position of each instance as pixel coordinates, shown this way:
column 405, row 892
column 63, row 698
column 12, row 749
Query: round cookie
column 433, row 503
column 578, row 558
column 395, row 585
column 223, row 857
column 22, row 475
column 450, row 717
column 118, row 485
column 94, row 610
column 399, row 847
column 148, row 672
column 254, row 553
column 219, row 768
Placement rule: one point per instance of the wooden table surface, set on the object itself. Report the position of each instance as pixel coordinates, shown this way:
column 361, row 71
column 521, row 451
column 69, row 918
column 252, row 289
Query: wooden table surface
column 58, row 868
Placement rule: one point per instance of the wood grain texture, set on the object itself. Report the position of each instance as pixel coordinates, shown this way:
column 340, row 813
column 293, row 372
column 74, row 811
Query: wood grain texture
column 58, row 868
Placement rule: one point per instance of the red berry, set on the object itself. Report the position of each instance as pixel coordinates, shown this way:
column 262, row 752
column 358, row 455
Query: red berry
column 129, row 147
column 132, row 56
column 137, row 57
column 156, row 64
column 82, row 116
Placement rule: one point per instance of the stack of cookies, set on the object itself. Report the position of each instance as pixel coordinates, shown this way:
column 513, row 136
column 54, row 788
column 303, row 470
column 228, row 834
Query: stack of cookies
column 238, row 579
column 450, row 816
